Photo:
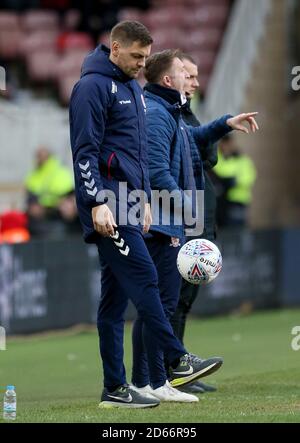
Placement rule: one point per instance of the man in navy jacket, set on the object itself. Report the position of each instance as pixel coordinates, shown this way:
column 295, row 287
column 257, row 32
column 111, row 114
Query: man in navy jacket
column 108, row 139
column 175, row 164
column 209, row 156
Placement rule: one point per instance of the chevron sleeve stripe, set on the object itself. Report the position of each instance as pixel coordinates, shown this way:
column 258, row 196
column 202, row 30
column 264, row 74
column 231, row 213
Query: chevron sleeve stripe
column 88, row 110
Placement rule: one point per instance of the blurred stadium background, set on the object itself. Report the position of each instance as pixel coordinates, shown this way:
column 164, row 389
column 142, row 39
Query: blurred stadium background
column 245, row 51
column 49, row 279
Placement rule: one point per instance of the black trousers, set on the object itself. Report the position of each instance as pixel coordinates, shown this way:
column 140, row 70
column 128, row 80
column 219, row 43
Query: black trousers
column 188, row 295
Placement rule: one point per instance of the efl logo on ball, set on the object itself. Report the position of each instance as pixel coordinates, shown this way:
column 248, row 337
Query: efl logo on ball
column 199, row 261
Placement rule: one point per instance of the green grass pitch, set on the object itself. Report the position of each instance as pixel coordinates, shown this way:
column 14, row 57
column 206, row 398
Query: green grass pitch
column 58, row 377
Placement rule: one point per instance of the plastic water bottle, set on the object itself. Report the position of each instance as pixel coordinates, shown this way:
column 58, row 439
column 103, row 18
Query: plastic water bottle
column 10, row 403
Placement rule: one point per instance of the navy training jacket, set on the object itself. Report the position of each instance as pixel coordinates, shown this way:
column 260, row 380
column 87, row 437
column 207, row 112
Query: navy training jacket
column 167, row 149
column 108, row 135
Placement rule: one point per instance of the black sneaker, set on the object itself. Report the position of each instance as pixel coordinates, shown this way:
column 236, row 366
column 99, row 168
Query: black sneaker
column 191, row 368
column 191, row 388
column 197, row 387
column 205, row 387
column 125, row 397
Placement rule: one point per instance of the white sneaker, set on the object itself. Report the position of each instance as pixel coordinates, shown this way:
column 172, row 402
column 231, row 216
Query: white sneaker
column 146, row 391
column 168, row 393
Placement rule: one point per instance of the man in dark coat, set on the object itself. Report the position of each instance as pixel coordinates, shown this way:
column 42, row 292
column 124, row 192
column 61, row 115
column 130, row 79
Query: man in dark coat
column 189, row 292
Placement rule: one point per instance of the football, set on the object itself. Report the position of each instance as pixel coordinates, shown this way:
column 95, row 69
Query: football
column 199, row 261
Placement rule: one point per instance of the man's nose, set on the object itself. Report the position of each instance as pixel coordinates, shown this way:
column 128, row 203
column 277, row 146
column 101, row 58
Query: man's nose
column 142, row 63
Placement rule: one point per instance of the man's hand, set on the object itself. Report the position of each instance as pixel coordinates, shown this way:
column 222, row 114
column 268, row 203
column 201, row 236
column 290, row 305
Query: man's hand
column 147, row 218
column 103, row 220
column 237, row 122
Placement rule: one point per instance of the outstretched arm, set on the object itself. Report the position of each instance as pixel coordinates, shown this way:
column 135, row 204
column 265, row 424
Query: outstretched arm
column 238, row 122
column 212, row 132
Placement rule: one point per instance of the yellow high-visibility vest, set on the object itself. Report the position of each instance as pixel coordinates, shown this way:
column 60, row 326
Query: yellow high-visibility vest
column 242, row 168
column 50, row 182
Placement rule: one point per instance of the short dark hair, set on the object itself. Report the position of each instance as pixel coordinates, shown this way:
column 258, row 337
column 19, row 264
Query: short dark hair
column 128, row 32
column 157, row 64
column 184, row 56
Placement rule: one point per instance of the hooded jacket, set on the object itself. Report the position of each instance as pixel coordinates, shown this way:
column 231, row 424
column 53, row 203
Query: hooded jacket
column 108, row 135
column 170, row 143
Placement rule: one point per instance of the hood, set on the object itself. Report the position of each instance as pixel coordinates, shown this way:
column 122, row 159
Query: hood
column 97, row 62
column 168, row 98
column 172, row 96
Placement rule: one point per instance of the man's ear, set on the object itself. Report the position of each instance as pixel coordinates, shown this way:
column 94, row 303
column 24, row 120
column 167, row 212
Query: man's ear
column 115, row 47
column 167, row 81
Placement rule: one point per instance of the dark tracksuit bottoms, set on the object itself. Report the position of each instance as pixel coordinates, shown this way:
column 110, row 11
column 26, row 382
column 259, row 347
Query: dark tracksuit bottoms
column 132, row 276
column 148, row 356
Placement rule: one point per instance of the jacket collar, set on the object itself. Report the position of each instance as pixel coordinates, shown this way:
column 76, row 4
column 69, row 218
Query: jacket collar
column 186, row 107
column 169, row 98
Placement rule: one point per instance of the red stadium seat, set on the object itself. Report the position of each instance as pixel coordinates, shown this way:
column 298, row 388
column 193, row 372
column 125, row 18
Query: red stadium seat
column 210, row 15
column 72, row 19
column 164, row 38
column 75, row 41
column 10, row 35
column 37, row 41
column 9, row 20
column 196, row 26
column 130, row 14
column 205, row 61
column 164, row 17
column 13, row 227
column 41, row 65
column 206, row 39
column 17, row 235
column 12, row 219
column 69, row 64
column 10, row 41
column 54, row 51
column 35, row 19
